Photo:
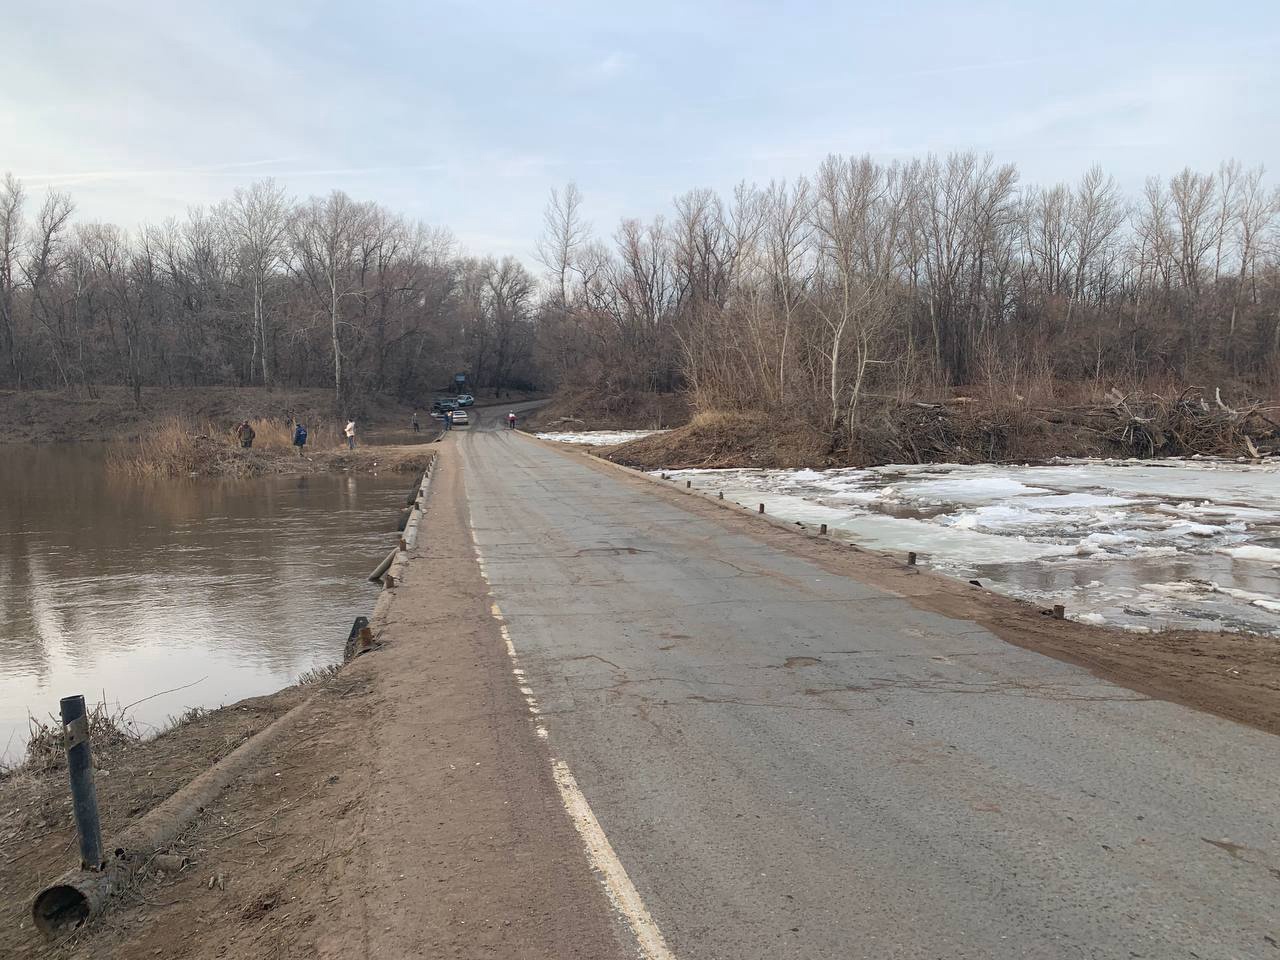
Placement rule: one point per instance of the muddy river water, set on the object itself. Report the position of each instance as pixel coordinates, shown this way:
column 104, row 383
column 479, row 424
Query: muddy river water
column 124, row 589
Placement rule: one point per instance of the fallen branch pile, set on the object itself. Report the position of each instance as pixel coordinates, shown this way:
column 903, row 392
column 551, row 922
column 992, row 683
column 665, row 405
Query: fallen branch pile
column 1149, row 425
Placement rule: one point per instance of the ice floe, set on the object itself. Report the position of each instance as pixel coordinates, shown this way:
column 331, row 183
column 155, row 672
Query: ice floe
column 1137, row 544
column 598, row 438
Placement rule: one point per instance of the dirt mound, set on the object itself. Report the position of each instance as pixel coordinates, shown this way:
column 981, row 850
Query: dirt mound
column 590, row 409
column 714, row 440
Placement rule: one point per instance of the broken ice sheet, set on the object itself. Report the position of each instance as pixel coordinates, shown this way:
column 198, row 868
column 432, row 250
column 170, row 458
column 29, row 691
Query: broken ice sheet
column 1139, row 544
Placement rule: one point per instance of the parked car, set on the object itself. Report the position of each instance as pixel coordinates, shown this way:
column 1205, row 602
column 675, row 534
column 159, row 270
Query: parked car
column 465, row 399
column 460, row 417
column 441, row 404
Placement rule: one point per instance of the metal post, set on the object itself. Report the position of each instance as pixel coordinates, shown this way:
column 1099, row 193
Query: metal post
column 822, row 530
column 84, row 798
column 762, row 508
column 353, row 638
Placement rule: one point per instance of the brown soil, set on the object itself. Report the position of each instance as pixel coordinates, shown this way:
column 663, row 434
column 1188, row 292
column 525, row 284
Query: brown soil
column 410, row 813
column 1232, row 675
column 587, row 409
column 724, row 440
column 37, row 837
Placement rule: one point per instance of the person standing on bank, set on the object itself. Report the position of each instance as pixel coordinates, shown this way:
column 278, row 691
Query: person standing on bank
column 245, row 434
column 415, row 421
column 350, row 431
column 299, row 437
column 448, row 420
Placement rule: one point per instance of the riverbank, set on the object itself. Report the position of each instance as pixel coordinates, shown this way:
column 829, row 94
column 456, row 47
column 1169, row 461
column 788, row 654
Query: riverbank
column 177, row 450
column 132, row 777
column 411, row 810
column 968, row 430
column 967, row 426
column 109, row 413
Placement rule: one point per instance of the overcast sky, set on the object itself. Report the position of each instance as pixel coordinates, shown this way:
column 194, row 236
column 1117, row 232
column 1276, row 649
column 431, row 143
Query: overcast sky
column 466, row 114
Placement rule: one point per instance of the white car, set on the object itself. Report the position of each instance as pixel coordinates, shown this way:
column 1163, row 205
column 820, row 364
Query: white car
column 460, row 418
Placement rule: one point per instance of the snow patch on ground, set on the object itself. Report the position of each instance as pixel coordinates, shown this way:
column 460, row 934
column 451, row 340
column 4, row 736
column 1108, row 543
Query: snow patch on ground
column 598, row 438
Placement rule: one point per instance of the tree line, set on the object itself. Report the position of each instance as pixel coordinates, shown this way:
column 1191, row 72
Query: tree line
column 865, row 279
column 898, row 279
column 259, row 289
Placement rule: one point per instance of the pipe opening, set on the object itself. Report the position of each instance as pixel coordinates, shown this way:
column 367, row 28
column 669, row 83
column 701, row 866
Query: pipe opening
column 61, row 907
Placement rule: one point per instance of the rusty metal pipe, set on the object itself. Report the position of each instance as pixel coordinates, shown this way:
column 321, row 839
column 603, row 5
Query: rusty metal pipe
column 80, row 894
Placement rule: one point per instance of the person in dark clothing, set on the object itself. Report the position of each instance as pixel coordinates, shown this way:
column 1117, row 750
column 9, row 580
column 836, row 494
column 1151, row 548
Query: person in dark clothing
column 300, row 437
column 448, row 420
column 416, row 428
column 245, row 434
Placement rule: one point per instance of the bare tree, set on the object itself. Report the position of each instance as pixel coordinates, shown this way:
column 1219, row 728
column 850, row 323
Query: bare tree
column 325, row 235
column 12, row 198
column 258, row 221
column 44, row 261
column 563, row 234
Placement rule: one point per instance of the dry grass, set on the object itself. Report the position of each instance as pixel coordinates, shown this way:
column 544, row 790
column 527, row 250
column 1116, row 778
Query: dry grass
column 109, row 729
column 277, row 435
column 318, row 674
column 179, row 448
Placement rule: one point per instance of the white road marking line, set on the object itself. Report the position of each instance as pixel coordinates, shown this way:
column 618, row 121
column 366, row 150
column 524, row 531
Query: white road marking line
column 618, row 887
column 622, row 892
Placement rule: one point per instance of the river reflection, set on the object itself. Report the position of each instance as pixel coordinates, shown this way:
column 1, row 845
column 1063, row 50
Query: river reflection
column 126, row 589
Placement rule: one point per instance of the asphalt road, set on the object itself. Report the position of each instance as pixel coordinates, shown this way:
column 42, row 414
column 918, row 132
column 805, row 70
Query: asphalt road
column 790, row 763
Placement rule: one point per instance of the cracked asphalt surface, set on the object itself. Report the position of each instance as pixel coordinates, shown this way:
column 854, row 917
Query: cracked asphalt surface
column 791, row 763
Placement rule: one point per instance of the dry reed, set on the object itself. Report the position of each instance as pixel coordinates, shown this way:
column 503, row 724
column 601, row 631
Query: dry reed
column 179, row 448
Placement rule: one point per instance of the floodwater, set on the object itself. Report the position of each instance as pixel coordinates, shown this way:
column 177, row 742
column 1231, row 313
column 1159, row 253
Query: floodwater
column 1139, row 544
column 122, row 589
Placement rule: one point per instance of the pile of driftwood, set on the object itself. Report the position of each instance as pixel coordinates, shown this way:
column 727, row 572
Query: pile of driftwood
column 1150, row 425
column 974, row 430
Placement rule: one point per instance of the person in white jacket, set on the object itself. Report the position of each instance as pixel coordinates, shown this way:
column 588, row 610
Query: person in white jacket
column 350, row 431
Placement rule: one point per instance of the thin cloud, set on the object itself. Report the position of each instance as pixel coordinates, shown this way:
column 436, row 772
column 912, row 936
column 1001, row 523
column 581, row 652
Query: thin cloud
column 87, row 176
